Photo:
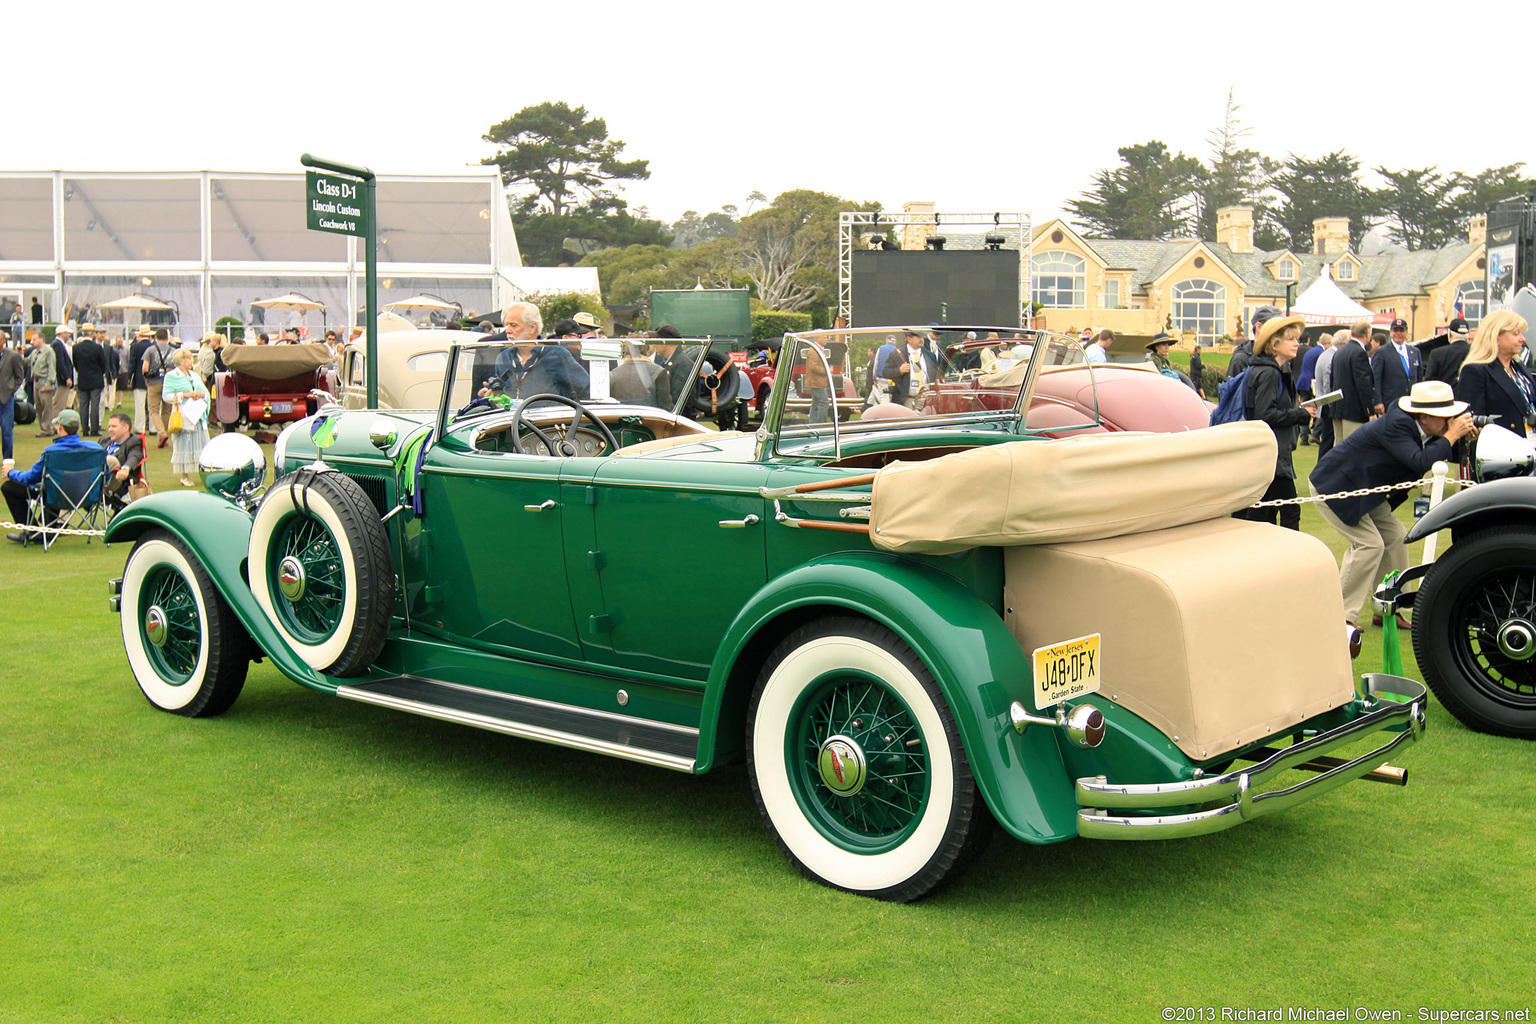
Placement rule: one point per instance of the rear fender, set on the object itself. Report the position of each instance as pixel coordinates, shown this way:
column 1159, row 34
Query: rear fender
column 975, row 660
column 218, row 533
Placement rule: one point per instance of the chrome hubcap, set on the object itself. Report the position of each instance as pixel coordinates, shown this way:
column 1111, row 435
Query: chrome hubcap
column 1517, row 639
column 290, row 578
column 842, row 765
column 154, row 625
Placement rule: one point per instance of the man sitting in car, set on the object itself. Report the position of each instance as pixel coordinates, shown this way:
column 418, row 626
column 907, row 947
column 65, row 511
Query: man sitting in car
column 528, row 368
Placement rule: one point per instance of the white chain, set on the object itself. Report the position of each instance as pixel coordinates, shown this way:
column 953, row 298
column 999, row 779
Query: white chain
column 1362, row 492
column 63, row 531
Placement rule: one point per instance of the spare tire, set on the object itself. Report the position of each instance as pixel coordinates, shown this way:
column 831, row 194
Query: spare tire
column 320, row 568
column 718, row 390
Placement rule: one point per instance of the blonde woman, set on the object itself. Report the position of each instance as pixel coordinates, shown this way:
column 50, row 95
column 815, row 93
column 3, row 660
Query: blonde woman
column 182, row 385
column 1493, row 381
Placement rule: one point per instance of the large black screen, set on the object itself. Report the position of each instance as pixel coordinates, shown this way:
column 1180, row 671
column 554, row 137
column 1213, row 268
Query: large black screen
column 897, row 287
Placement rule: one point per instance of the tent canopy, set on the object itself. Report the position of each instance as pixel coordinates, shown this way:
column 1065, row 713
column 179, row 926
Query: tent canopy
column 1324, row 303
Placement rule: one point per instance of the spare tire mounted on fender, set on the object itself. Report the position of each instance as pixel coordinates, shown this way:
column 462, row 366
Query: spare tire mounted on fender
column 320, row 568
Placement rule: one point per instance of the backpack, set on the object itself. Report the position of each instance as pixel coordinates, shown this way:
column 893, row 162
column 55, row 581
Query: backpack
column 157, row 362
column 1232, row 400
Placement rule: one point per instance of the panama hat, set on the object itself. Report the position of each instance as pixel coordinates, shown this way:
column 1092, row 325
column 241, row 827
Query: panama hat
column 1434, row 398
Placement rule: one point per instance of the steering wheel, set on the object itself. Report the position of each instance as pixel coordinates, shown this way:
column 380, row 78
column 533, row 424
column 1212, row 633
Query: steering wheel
column 565, row 448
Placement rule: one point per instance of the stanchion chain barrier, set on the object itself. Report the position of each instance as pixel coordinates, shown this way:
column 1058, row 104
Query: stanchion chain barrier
column 1362, row 492
column 61, row 530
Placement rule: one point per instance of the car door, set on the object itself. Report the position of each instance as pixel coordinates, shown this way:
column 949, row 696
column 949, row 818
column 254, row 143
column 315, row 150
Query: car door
column 492, row 552
column 677, row 551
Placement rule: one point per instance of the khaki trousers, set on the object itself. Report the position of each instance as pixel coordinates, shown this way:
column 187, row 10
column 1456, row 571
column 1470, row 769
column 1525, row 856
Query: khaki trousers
column 140, row 410
column 159, row 409
column 1376, row 547
column 1343, row 428
column 45, row 409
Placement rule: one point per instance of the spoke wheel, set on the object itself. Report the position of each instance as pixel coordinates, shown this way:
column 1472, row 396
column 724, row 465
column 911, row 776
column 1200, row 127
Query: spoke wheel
column 1475, row 630
column 321, row 569
column 857, row 766
column 187, row 650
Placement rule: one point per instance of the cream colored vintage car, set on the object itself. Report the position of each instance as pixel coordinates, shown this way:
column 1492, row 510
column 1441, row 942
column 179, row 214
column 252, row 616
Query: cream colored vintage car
column 411, row 365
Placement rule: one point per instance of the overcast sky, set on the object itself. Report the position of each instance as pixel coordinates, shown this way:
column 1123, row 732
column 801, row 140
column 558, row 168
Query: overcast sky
column 1008, row 107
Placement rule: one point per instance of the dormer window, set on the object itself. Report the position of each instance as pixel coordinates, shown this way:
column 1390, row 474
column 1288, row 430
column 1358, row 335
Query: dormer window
column 1286, row 269
column 1345, row 271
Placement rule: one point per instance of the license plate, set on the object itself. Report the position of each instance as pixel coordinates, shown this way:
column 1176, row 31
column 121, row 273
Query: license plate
column 282, row 408
column 1065, row 670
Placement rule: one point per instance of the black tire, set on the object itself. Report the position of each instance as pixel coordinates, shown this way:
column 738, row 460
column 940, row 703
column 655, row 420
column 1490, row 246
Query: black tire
column 857, row 766
column 1474, row 630
column 320, row 537
column 188, row 651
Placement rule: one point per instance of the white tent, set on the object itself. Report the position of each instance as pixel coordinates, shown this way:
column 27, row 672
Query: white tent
column 1324, row 303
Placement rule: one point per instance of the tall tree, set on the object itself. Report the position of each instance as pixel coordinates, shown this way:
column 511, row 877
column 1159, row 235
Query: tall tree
column 692, row 229
column 563, row 154
column 1235, row 176
column 1420, row 208
column 788, row 250
column 560, row 239
column 1481, row 192
column 1151, row 195
column 1329, row 186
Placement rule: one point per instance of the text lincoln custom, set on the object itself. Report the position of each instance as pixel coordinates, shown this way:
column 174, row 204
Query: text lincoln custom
column 913, row 628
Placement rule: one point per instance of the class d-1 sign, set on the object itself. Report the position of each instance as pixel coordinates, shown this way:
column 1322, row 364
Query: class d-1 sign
column 334, row 203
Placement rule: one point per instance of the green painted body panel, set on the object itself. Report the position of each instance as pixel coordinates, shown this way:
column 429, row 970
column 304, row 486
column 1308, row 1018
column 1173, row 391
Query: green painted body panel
column 219, row 534
column 960, row 637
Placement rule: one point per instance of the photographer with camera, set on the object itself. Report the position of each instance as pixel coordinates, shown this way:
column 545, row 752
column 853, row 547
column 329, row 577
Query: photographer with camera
column 1417, row 431
column 1493, row 381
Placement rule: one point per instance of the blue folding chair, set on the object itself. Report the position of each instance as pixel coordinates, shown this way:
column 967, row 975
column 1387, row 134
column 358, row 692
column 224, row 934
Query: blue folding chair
column 70, row 494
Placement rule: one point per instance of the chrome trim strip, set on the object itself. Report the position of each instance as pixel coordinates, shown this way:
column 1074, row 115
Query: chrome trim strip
column 533, row 732
column 790, row 494
column 1096, row 795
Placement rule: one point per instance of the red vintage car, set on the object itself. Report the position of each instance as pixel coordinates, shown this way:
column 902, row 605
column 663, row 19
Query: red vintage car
column 986, row 373
column 270, row 384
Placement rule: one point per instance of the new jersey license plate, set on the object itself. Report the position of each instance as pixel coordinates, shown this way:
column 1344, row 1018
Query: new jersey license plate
column 1065, row 670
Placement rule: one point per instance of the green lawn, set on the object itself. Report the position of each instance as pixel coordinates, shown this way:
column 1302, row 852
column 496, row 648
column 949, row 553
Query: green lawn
column 304, row 858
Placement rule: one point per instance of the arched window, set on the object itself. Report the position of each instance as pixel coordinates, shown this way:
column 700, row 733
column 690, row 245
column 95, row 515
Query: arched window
column 1472, row 298
column 1060, row 280
column 1200, row 306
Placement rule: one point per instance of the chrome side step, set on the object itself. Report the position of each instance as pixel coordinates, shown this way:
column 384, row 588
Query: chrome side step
column 633, row 739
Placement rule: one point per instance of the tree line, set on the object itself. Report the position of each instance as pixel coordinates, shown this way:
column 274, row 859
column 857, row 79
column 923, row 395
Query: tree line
column 565, row 172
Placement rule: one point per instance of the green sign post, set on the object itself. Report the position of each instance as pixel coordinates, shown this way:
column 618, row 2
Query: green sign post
column 340, row 198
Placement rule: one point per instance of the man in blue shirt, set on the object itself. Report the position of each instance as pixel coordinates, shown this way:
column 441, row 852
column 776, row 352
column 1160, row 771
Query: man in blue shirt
column 19, row 484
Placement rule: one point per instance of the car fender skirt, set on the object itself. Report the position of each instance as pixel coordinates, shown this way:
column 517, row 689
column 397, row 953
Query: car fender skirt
column 1490, row 504
column 974, row 659
column 218, row 533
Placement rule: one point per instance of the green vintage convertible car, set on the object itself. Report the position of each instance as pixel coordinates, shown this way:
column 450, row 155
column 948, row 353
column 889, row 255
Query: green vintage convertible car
column 912, row 629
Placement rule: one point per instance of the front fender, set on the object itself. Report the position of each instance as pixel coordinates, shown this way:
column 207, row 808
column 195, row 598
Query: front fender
column 975, row 660
column 1490, row 504
column 218, row 533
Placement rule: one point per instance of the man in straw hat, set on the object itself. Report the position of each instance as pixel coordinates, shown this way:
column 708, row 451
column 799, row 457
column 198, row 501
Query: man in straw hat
column 1398, row 447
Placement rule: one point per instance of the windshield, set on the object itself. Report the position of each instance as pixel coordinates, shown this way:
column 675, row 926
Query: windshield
column 892, row 377
column 666, row 374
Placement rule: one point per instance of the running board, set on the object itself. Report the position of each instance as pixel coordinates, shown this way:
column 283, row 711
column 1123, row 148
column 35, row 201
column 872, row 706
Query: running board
column 633, row 739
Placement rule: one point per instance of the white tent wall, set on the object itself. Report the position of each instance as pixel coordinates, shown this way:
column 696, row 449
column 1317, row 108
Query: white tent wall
column 206, row 238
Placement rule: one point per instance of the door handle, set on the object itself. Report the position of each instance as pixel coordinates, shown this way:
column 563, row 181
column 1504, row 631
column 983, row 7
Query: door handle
column 543, row 506
column 736, row 524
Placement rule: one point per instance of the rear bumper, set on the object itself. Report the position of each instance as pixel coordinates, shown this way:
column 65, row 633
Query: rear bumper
column 1237, row 792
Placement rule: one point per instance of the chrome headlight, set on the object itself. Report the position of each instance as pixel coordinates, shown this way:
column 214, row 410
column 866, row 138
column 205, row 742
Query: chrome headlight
column 234, row 467
column 1503, row 453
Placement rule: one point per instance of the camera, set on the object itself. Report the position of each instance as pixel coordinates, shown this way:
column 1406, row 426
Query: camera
column 1483, row 421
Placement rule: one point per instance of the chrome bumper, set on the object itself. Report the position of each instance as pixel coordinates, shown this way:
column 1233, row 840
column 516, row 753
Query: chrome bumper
column 1238, row 790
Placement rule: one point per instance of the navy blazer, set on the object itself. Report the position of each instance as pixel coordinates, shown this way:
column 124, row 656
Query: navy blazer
column 1490, row 391
column 1351, row 373
column 1384, row 451
column 1391, row 380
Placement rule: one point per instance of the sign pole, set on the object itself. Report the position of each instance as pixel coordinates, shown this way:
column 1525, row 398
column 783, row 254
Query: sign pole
column 329, row 207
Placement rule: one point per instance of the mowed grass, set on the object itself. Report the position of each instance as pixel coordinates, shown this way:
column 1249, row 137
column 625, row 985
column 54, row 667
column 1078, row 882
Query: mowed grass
column 304, row 858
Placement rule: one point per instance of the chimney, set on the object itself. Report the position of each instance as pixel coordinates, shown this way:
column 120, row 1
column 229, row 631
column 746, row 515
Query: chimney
column 1330, row 235
column 914, row 235
column 1477, row 231
column 1234, row 228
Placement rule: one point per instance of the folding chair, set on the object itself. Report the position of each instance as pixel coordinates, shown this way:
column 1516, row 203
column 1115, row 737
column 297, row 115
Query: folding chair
column 70, row 493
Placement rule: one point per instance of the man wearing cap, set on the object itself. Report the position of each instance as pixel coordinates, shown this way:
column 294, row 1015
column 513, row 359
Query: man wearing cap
column 1396, row 366
column 1445, row 362
column 19, row 484
column 915, row 366
column 90, row 378
column 1397, row 448
column 63, row 367
column 142, row 339
column 1244, row 352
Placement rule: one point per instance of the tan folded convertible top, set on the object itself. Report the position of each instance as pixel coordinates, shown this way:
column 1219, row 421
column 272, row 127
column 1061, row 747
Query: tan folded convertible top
column 275, row 362
column 1081, row 488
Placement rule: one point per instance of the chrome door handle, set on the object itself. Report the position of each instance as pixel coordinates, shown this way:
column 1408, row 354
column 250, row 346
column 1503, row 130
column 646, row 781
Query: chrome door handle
column 736, row 524
column 543, row 506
